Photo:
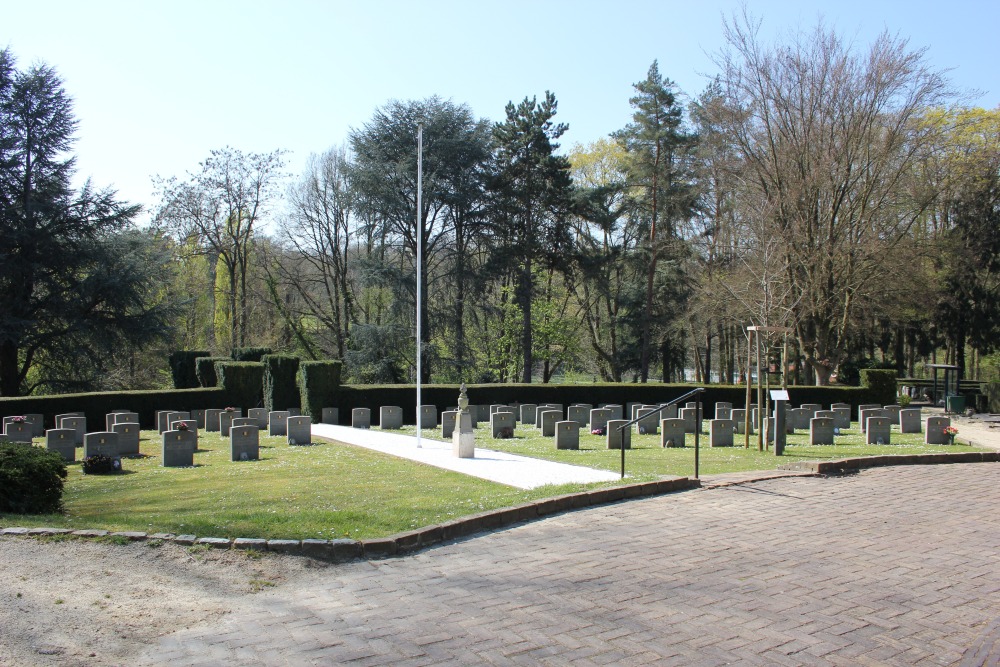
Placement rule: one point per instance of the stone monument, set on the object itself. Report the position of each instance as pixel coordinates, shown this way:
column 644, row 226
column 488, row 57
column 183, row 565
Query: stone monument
column 463, row 438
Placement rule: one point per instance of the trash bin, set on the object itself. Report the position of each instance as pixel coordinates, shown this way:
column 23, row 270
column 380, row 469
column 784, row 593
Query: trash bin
column 955, row 404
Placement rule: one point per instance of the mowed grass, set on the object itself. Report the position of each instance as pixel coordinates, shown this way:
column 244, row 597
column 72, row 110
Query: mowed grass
column 330, row 490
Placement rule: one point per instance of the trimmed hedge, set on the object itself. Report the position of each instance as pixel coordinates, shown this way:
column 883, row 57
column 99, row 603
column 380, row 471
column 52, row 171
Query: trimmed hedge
column 205, row 370
column 280, row 390
column 182, row 368
column 96, row 405
column 241, row 382
column 318, row 384
column 31, row 479
column 250, row 353
column 881, row 385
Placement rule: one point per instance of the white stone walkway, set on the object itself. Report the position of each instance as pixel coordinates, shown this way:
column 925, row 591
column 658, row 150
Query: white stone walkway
column 522, row 472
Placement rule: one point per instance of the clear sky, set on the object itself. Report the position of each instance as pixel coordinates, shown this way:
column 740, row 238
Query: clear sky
column 157, row 85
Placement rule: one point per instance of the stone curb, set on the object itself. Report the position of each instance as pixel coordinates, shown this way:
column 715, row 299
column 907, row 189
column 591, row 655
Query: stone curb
column 342, row 550
column 843, row 465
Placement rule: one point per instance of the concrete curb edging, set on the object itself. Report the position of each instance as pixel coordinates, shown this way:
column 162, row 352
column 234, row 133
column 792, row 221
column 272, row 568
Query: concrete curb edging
column 343, row 550
column 842, row 465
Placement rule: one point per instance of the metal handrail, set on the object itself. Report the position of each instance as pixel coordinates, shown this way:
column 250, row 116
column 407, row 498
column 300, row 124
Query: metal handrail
column 661, row 408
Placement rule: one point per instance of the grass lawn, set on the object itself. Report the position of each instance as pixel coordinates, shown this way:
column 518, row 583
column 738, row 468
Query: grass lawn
column 329, row 490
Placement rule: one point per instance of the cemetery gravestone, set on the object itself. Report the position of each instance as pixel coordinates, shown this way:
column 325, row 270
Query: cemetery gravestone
column 101, row 443
column 126, row 418
column 798, row 418
column 390, row 417
column 428, row 416
column 878, row 431
column 212, row 420
column 841, row 417
column 37, row 424
column 813, row 408
column 448, row 418
column 259, row 415
column 79, row 426
column 691, row 424
column 619, row 437
column 821, row 431
column 294, row 412
column 865, row 414
column 892, row 412
column 61, row 440
column 199, row 417
column 579, row 414
column 162, row 423
column 739, row 415
column 669, row 412
column 672, row 432
column 226, row 418
column 909, row 420
column 616, row 410
column 567, row 435
column 720, row 432
column 723, row 410
column 501, row 420
column 599, row 418
column 128, row 438
column 299, row 430
column 243, row 421
column 482, row 413
column 277, row 422
column 649, row 420
column 177, row 449
column 330, row 416
column 361, row 418
column 868, row 406
column 934, row 430
column 244, row 443
column 18, row 431
column 528, row 413
column 548, row 420
column 172, row 417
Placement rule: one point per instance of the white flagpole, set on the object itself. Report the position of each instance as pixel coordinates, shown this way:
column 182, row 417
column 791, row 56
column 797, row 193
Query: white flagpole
column 420, row 251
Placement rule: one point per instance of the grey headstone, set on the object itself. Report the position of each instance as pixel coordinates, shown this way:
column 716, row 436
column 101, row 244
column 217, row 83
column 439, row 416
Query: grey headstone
column 330, row 416
column 723, row 410
column 125, row 418
column 821, row 430
column 428, row 416
column 78, row 424
column 878, row 430
column 527, row 413
column 934, row 430
column 300, row 430
column 59, row 418
column 482, row 413
column 294, row 412
column 199, row 417
column 361, row 418
column 669, row 412
column 37, row 424
column 501, row 420
column 162, row 423
column 18, row 432
column 691, row 423
column 798, row 418
column 212, row 419
column 226, row 421
column 866, row 413
column 834, row 406
column 579, row 414
column 103, row 443
column 128, row 438
column 619, row 437
column 892, row 412
column 448, row 422
column 720, row 432
column 739, row 415
column 177, row 448
column 599, row 418
column 277, row 422
column 841, row 417
column 61, row 440
column 672, row 432
column 616, row 410
column 825, row 414
column 909, row 420
column 243, row 421
column 869, row 406
column 548, row 419
column 259, row 415
column 176, row 416
column 813, row 408
column 390, row 417
column 567, row 435
column 649, row 421
column 244, row 442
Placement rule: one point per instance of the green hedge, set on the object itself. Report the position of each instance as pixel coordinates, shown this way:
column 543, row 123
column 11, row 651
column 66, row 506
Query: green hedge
column 280, row 389
column 250, row 353
column 881, row 385
column 443, row 396
column 205, row 370
column 318, row 384
column 31, row 479
column 241, row 382
column 182, row 368
column 96, row 405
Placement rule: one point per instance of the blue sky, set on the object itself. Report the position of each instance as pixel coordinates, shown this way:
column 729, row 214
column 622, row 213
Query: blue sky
column 159, row 85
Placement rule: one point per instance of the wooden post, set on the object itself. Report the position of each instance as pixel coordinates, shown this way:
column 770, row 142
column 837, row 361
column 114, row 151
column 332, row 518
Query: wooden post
column 749, row 381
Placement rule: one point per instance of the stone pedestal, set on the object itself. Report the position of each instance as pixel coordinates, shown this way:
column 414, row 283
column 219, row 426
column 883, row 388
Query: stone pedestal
column 463, row 439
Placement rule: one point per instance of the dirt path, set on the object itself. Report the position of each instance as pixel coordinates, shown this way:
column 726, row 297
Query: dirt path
column 85, row 603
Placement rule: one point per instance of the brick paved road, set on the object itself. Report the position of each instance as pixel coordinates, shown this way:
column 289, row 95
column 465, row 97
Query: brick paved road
column 891, row 566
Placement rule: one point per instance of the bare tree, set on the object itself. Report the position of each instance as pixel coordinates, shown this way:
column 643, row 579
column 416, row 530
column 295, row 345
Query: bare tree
column 826, row 138
column 216, row 211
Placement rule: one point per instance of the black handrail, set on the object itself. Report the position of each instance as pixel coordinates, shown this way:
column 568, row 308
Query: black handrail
column 661, row 408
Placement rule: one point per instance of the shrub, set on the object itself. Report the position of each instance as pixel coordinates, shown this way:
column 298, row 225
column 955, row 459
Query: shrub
column 280, row 390
column 99, row 464
column 318, row 384
column 205, row 370
column 31, row 479
column 182, row 368
column 250, row 353
column 241, row 381
column 881, row 384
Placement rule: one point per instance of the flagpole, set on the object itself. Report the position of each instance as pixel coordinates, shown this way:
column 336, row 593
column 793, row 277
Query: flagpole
column 420, row 250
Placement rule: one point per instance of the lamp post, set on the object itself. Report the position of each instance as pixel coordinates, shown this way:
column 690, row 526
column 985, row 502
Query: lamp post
column 420, row 252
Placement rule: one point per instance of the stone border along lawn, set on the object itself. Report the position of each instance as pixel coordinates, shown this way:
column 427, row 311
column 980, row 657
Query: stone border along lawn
column 507, row 506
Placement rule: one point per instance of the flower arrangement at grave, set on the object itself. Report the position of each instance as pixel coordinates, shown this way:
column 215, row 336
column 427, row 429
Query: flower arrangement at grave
column 230, row 409
column 99, row 464
column 505, row 432
column 597, row 431
column 182, row 426
column 951, row 432
column 18, row 419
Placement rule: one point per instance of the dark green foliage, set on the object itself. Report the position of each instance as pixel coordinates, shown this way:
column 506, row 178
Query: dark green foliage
column 242, row 382
column 205, row 370
column 31, row 479
column 250, row 353
column 102, row 465
column 96, row 405
column 183, row 367
column 993, row 397
column 318, row 385
column 280, row 389
column 849, row 372
column 881, row 385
